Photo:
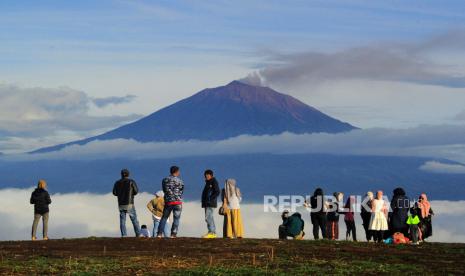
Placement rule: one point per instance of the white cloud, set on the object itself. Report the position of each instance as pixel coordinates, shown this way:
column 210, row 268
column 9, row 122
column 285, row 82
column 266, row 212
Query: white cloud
column 84, row 214
column 45, row 112
column 438, row 167
column 426, row 141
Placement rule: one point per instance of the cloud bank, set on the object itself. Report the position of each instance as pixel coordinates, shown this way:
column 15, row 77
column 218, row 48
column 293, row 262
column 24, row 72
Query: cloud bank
column 82, row 215
column 46, row 112
column 438, row 167
column 426, row 141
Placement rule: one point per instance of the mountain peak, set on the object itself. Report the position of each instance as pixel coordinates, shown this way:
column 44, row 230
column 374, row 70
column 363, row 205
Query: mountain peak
column 224, row 112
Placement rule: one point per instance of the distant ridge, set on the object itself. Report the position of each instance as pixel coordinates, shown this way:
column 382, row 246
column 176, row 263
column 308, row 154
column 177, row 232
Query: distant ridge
column 224, row 112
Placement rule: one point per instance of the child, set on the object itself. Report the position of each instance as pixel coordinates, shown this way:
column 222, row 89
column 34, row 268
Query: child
column 349, row 218
column 156, row 206
column 144, row 232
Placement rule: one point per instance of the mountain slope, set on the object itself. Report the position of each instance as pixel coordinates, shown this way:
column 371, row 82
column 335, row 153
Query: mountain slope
column 224, row 112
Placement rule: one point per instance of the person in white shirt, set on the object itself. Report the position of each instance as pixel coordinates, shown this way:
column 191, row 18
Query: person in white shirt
column 233, row 227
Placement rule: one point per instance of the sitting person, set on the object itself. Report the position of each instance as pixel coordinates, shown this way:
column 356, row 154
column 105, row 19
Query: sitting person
column 293, row 226
column 144, row 232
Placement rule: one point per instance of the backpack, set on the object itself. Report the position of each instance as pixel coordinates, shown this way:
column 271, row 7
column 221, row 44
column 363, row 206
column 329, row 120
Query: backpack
column 399, row 238
column 413, row 220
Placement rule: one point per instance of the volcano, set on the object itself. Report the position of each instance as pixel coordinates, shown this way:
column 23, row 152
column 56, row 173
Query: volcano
column 224, row 112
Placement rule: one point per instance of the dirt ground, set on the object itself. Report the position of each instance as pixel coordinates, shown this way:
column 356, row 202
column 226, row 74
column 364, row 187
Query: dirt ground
column 137, row 256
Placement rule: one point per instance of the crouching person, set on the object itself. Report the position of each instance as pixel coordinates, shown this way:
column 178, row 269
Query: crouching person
column 293, row 226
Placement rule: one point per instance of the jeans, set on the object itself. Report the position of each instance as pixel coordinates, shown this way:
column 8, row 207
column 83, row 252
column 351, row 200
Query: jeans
column 156, row 223
column 44, row 224
column 209, row 219
column 176, row 209
column 131, row 211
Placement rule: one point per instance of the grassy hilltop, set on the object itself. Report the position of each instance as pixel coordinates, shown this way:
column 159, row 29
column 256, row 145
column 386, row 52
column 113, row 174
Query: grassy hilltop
column 193, row 256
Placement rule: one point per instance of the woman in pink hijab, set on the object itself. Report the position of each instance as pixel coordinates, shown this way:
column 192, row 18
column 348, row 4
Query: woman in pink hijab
column 425, row 213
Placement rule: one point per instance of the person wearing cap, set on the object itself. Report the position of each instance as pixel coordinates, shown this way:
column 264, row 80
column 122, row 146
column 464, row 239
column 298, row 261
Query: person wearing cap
column 156, row 206
column 125, row 189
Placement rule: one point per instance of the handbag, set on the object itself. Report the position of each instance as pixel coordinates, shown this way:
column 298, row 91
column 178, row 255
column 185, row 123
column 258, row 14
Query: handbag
column 224, row 208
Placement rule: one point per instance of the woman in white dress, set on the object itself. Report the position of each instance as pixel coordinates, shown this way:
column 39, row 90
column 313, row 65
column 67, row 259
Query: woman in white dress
column 378, row 222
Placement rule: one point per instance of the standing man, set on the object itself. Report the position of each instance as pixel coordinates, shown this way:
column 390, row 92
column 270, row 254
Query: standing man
column 210, row 194
column 125, row 189
column 173, row 187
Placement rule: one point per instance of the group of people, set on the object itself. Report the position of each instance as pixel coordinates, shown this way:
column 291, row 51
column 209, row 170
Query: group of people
column 401, row 221
column 169, row 201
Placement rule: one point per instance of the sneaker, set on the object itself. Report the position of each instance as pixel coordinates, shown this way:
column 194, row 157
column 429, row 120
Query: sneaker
column 34, row 238
column 159, row 236
column 209, row 236
column 45, row 238
column 173, row 236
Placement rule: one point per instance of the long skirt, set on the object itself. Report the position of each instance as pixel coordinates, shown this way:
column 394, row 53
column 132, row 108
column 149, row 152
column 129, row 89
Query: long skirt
column 233, row 227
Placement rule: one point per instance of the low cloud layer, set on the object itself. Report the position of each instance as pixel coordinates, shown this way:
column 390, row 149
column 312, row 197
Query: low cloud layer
column 45, row 112
column 426, row 141
column 438, row 167
column 82, row 215
column 403, row 62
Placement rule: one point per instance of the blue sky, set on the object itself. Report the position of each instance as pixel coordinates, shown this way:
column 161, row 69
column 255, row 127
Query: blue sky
column 154, row 53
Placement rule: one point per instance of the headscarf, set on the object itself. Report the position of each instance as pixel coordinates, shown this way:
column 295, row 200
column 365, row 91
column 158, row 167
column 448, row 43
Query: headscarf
column 424, row 205
column 231, row 189
column 160, row 194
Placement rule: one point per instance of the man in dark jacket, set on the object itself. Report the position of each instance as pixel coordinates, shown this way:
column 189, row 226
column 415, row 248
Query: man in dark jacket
column 318, row 213
column 173, row 187
column 210, row 195
column 125, row 189
column 400, row 206
column 41, row 199
column 293, row 227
